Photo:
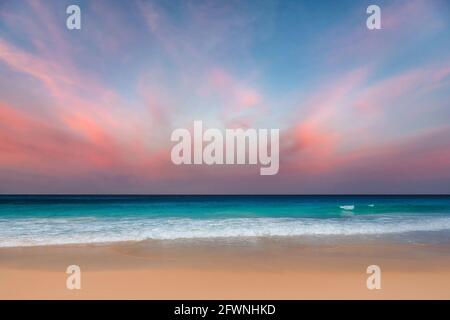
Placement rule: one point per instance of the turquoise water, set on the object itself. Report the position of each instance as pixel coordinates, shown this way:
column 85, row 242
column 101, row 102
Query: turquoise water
column 40, row 220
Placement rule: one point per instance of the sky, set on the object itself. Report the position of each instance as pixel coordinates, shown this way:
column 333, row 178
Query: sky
column 92, row 110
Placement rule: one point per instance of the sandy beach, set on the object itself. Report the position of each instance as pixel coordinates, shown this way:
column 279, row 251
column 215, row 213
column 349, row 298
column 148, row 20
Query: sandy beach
column 227, row 269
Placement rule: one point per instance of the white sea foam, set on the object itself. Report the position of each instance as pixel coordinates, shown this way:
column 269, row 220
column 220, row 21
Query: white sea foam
column 348, row 207
column 35, row 231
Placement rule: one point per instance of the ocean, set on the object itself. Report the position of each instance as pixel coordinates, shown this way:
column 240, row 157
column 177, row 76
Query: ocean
column 28, row 220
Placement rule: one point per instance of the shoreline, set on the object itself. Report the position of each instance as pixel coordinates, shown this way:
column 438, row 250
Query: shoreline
column 420, row 237
column 259, row 269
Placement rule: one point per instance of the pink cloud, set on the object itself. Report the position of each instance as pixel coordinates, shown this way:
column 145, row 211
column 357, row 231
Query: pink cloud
column 402, row 87
column 236, row 94
column 319, row 120
column 29, row 144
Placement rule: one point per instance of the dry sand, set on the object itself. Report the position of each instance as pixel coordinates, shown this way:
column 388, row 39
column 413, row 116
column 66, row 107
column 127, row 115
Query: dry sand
column 254, row 269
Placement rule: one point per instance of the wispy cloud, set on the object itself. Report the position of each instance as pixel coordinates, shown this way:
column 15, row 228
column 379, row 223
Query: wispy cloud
column 92, row 110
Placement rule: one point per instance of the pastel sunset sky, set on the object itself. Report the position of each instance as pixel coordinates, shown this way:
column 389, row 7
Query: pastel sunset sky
column 92, row 110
